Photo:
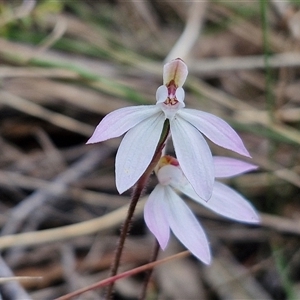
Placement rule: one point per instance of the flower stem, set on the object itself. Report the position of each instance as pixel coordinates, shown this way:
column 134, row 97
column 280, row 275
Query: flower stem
column 124, row 232
column 138, row 189
column 149, row 272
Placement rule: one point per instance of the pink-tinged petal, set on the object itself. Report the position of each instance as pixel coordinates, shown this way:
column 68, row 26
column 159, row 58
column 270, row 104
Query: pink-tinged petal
column 175, row 70
column 136, row 151
column 186, row 227
column 227, row 166
column 121, row 120
column 226, row 202
column 229, row 203
column 216, row 129
column 194, row 156
column 155, row 216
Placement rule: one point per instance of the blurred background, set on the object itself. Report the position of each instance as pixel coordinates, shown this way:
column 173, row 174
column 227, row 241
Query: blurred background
column 66, row 64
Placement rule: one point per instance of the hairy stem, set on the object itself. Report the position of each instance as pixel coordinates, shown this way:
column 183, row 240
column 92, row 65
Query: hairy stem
column 138, row 189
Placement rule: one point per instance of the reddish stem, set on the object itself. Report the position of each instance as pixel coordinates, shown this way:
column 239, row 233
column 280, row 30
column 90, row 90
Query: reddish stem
column 131, row 272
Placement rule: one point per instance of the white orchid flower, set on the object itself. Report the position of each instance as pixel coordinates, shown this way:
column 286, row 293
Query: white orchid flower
column 143, row 126
column 165, row 210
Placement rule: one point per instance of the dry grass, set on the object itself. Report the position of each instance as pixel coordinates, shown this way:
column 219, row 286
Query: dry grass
column 65, row 64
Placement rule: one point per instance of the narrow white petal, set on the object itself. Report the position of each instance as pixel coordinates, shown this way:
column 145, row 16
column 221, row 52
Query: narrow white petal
column 229, row 203
column 188, row 190
column 194, row 156
column 186, row 227
column 216, row 129
column 227, row 166
column 155, row 216
column 121, row 120
column 136, row 151
column 226, row 202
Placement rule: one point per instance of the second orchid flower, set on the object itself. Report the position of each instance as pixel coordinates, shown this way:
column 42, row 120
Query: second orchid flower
column 165, row 210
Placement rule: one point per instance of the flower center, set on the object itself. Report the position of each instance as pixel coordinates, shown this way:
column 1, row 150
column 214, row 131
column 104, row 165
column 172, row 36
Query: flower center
column 171, row 101
column 170, row 98
column 165, row 161
column 168, row 171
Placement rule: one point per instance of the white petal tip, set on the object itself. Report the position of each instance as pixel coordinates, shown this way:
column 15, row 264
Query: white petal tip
column 207, row 259
column 242, row 150
column 206, row 200
column 121, row 189
column 93, row 140
column 163, row 246
column 254, row 220
column 90, row 142
column 247, row 154
column 206, row 195
column 204, row 192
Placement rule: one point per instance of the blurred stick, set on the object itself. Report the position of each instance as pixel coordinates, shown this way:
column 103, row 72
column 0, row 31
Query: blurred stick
column 289, row 15
column 115, row 218
column 231, row 280
column 242, row 27
column 106, row 222
column 12, row 289
column 79, row 169
column 210, row 66
column 13, row 179
column 191, row 32
column 146, row 12
column 57, row 32
column 243, row 112
column 205, row 67
column 19, row 278
column 36, row 110
column 18, row 13
column 131, row 272
column 36, row 72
